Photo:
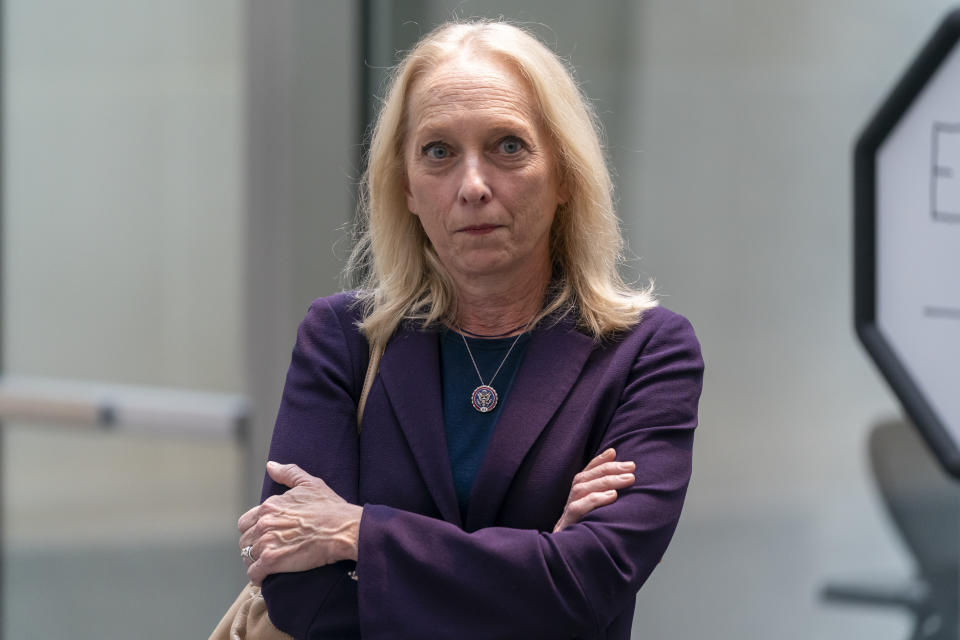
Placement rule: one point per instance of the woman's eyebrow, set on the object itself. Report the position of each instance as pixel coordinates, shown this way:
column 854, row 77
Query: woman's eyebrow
column 444, row 127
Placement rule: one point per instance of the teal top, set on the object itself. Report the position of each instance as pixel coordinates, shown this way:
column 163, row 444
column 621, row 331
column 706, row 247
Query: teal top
column 468, row 430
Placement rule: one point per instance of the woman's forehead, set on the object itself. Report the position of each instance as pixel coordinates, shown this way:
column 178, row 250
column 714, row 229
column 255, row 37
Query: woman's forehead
column 463, row 85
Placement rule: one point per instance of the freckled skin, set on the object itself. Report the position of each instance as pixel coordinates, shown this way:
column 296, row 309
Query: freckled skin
column 481, row 172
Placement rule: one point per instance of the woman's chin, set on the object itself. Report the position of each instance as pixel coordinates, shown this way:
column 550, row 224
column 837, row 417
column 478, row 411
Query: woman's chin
column 487, row 266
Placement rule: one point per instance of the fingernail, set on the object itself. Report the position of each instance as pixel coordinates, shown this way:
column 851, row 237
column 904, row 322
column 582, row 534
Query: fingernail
column 272, row 465
column 626, row 476
column 611, row 493
column 609, row 452
column 627, row 466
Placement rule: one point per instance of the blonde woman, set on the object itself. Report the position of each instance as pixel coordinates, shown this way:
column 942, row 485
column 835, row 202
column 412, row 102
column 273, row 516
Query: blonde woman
column 492, row 437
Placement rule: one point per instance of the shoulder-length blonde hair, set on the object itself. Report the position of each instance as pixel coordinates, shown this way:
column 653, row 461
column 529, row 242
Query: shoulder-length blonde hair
column 399, row 274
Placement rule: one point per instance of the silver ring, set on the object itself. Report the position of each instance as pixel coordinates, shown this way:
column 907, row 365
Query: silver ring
column 245, row 553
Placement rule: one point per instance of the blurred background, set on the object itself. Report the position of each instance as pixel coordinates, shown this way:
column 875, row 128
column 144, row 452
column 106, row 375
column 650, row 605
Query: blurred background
column 178, row 178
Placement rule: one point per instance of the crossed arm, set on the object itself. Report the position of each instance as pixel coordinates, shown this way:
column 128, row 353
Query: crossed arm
column 311, row 526
column 579, row 577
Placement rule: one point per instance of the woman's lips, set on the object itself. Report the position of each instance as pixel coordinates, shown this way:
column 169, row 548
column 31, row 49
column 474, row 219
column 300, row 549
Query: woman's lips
column 480, row 229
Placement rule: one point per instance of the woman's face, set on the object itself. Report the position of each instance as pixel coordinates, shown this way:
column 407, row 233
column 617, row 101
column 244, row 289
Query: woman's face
column 480, row 168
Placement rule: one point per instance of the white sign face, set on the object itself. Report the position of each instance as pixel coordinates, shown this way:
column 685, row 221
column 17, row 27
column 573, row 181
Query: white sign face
column 918, row 242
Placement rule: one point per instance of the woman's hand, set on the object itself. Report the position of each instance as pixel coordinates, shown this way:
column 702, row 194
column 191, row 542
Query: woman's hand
column 308, row 526
column 595, row 486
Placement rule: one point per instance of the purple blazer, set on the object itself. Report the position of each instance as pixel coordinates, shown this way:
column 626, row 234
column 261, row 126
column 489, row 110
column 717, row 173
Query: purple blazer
column 425, row 573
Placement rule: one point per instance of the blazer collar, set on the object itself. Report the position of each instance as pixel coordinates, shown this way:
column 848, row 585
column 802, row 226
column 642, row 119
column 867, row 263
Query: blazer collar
column 410, row 370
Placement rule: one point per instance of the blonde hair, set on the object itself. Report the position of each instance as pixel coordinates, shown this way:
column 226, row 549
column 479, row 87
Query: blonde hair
column 399, row 274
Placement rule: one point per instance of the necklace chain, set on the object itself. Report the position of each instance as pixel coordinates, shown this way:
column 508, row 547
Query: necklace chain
column 484, row 398
column 502, row 362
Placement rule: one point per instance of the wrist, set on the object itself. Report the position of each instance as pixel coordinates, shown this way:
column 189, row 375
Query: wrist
column 352, row 532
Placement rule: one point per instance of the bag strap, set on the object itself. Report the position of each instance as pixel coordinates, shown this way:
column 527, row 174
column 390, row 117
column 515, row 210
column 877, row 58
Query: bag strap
column 376, row 352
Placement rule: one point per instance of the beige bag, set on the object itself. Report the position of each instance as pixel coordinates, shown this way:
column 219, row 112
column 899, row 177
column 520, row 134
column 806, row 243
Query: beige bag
column 247, row 618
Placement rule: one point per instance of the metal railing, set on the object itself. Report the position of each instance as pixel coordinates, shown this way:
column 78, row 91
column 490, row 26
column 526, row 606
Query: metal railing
column 128, row 408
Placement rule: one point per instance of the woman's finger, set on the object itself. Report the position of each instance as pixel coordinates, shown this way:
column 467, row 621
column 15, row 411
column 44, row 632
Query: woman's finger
column 266, row 553
column 249, row 537
column 289, row 475
column 606, row 456
column 250, row 553
column 247, row 556
column 604, row 469
column 271, row 557
column 253, row 534
column 596, row 486
column 601, row 484
column 248, row 519
column 256, row 573
column 580, row 508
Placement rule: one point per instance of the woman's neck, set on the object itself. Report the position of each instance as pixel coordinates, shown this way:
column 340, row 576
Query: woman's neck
column 495, row 307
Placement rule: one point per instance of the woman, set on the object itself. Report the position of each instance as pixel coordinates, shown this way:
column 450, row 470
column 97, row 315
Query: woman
column 512, row 355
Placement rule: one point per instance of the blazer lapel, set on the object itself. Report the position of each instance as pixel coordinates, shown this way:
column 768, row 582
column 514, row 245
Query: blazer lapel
column 554, row 359
column 410, row 371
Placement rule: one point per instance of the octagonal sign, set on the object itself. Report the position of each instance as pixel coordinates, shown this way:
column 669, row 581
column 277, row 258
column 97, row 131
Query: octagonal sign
column 907, row 241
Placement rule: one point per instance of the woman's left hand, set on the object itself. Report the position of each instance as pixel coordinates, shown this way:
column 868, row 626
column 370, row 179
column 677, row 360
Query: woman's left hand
column 308, row 526
column 595, row 486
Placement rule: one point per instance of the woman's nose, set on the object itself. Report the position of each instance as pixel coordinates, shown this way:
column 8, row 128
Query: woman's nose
column 474, row 188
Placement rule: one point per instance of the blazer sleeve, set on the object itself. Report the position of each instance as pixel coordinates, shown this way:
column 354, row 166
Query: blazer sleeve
column 421, row 577
column 316, row 428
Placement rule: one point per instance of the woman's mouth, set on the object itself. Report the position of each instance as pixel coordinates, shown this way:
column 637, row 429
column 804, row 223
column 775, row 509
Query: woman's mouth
column 480, row 229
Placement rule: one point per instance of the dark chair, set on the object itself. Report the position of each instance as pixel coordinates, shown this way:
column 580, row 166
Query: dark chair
column 924, row 505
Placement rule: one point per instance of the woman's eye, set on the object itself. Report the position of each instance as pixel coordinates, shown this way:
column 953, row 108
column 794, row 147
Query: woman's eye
column 436, row 151
column 511, row 145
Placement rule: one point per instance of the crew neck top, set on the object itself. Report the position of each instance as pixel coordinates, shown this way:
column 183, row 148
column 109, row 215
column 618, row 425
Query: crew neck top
column 468, row 430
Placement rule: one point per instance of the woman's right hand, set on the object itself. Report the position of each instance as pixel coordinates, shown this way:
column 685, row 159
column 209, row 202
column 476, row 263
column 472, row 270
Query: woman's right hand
column 595, row 486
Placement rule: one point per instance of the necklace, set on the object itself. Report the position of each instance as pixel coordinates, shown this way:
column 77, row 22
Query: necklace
column 484, row 398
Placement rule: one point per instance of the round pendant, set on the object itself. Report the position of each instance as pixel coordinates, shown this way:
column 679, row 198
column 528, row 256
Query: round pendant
column 484, row 398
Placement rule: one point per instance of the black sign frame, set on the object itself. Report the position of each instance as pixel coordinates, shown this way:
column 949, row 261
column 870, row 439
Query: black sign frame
column 880, row 126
